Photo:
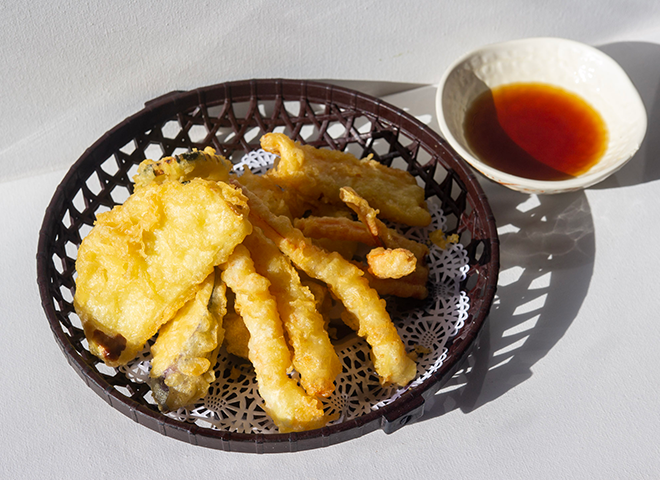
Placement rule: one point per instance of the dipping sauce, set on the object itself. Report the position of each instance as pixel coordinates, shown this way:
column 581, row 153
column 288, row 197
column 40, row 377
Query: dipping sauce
column 536, row 131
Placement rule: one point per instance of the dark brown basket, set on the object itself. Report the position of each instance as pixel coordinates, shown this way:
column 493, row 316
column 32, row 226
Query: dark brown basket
column 231, row 117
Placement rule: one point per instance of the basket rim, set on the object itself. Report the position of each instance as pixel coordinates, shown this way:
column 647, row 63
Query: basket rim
column 406, row 408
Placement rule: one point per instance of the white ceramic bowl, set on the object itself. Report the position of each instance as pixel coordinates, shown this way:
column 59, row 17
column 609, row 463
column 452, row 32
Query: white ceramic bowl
column 571, row 65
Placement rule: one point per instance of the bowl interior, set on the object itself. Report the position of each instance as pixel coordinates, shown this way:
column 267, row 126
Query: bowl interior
column 570, row 65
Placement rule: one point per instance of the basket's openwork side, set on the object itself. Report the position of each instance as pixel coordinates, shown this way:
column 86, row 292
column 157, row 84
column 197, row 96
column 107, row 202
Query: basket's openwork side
column 231, row 117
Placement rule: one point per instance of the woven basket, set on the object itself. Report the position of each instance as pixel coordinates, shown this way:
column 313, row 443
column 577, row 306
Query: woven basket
column 231, row 117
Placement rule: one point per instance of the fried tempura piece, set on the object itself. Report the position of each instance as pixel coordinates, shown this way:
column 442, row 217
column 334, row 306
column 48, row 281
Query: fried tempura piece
column 314, row 357
column 336, row 228
column 345, row 248
column 196, row 164
column 382, row 234
column 218, row 303
column 346, row 282
column 145, row 259
column 185, row 352
column 341, row 228
column 317, row 174
column 278, row 200
column 287, row 403
column 391, row 263
column 410, row 286
column 237, row 336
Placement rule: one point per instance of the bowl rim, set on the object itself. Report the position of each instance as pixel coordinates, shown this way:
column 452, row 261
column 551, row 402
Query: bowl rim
column 405, row 409
column 585, row 180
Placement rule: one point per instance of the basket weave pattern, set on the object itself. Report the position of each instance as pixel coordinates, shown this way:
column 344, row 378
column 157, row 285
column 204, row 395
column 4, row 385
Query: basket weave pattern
column 231, row 118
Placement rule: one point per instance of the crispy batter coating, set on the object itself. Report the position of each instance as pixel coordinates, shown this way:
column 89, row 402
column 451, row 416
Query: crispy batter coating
column 218, row 303
column 145, row 259
column 336, row 228
column 383, row 235
column 346, row 282
column 391, row 263
column 287, row 403
column 237, row 336
column 411, row 285
column 345, row 229
column 345, row 248
column 196, row 164
column 314, row 357
column 318, row 174
column 284, row 202
column 185, row 351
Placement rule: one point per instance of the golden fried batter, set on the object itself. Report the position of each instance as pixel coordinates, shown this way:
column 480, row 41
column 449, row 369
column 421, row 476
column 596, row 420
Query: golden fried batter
column 318, row 174
column 345, row 229
column 346, row 282
column 196, row 164
column 277, row 199
column 287, row 403
column 383, row 236
column 391, row 263
column 237, row 336
column 411, row 285
column 145, row 259
column 336, row 228
column 314, row 357
column 185, row 351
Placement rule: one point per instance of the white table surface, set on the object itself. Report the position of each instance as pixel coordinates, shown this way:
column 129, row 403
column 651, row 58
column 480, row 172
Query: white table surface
column 565, row 383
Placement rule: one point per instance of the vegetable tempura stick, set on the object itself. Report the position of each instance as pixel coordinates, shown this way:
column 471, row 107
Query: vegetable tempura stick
column 287, row 403
column 336, row 228
column 314, row 357
column 388, row 237
column 410, row 286
column 342, row 228
column 346, row 282
column 185, row 352
column 318, row 173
